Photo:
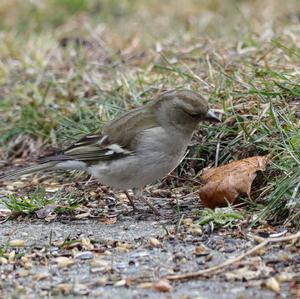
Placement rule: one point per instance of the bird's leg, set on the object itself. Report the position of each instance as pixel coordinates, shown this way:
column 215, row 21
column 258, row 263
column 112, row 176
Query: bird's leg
column 151, row 206
column 139, row 195
column 130, row 200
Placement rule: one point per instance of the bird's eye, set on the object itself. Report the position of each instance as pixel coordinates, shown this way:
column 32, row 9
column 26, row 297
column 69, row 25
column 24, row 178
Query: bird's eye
column 194, row 115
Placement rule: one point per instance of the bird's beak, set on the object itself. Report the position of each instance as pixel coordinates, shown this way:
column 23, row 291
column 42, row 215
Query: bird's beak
column 212, row 117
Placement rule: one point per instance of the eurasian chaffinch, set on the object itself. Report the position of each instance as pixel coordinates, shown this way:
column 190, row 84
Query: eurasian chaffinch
column 137, row 148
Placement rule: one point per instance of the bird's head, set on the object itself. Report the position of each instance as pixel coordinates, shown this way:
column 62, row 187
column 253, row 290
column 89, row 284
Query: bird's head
column 185, row 108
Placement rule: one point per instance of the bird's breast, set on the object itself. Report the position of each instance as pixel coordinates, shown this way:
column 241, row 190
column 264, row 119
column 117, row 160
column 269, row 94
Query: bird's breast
column 156, row 155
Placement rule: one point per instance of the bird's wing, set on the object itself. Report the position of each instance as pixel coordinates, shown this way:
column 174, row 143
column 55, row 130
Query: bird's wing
column 95, row 148
column 118, row 139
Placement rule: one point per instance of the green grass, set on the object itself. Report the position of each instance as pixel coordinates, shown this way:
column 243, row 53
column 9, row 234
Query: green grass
column 220, row 217
column 37, row 200
column 28, row 206
column 67, row 67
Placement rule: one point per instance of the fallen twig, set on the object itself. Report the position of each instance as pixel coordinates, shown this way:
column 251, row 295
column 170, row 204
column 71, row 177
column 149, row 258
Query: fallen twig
column 216, row 268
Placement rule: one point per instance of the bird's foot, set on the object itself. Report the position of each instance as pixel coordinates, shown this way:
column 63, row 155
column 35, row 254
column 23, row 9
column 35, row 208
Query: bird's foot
column 151, row 206
column 136, row 210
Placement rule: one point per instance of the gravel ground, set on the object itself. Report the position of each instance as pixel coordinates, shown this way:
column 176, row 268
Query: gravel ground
column 91, row 259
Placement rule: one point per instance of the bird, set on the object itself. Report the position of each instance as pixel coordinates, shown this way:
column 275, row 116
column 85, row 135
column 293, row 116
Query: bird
column 137, row 148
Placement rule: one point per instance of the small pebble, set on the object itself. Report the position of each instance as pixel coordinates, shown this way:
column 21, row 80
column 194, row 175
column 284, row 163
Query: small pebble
column 11, row 255
column 23, row 273
column 16, row 243
column 187, row 221
column 273, row 285
column 80, row 289
column 139, row 254
column 200, row 250
column 162, row 285
column 285, row 276
column 3, row 260
column 85, row 255
column 64, row 262
column 154, row 242
column 41, row 276
column 120, row 283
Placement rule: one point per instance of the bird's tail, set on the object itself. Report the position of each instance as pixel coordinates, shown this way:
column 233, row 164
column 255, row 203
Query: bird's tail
column 28, row 170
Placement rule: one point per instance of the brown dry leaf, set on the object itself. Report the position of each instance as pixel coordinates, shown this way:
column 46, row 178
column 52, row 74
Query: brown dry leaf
column 109, row 220
column 225, row 183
